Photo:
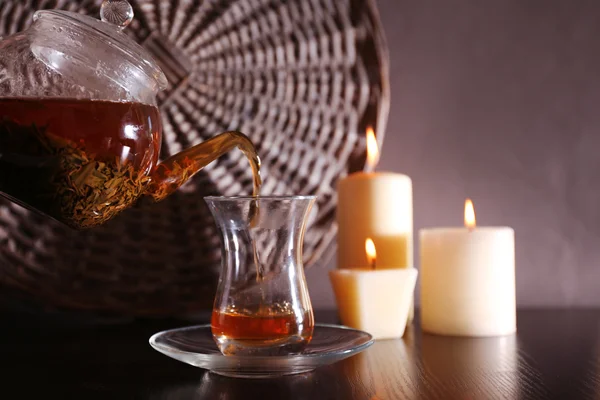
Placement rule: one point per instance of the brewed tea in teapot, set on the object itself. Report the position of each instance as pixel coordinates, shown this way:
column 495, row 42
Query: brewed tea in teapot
column 80, row 131
column 79, row 161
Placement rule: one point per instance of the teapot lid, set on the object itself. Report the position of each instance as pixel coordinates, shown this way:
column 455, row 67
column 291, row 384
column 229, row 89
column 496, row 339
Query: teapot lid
column 115, row 16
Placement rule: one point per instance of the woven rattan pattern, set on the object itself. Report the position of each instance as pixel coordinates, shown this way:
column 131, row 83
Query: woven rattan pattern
column 302, row 78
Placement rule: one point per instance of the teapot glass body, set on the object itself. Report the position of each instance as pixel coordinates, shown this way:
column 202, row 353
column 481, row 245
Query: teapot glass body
column 80, row 131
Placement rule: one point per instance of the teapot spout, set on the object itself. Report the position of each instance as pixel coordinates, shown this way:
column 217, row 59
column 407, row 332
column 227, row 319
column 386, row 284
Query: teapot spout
column 173, row 172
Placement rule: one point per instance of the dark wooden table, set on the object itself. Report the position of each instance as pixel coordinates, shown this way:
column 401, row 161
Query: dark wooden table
column 556, row 355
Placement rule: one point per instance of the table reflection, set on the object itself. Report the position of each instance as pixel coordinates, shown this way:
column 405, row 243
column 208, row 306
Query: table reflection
column 476, row 367
column 324, row 382
column 387, row 370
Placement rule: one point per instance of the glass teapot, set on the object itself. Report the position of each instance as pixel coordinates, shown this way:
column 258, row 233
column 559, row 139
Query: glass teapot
column 80, row 131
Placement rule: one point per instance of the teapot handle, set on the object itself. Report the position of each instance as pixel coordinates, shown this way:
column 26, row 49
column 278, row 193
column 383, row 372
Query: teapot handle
column 173, row 172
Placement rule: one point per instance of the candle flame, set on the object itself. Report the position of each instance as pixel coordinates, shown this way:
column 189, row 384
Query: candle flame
column 469, row 214
column 372, row 150
column 371, row 252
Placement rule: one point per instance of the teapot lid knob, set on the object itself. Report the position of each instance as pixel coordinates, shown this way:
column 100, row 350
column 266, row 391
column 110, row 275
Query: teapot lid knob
column 116, row 12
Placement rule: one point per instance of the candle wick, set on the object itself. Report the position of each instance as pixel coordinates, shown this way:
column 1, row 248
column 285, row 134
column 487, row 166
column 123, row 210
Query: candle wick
column 373, row 265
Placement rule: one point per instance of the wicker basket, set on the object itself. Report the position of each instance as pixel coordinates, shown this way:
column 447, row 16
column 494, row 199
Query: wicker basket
column 302, row 78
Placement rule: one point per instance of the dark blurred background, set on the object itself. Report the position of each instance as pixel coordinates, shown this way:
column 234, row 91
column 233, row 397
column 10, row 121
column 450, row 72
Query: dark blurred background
column 499, row 101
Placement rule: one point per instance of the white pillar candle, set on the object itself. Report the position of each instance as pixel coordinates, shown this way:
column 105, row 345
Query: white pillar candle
column 468, row 279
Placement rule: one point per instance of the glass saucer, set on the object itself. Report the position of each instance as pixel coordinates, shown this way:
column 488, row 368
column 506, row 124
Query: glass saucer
column 195, row 346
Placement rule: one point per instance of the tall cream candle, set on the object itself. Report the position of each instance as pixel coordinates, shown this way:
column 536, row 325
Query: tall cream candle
column 468, row 280
column 376, row 205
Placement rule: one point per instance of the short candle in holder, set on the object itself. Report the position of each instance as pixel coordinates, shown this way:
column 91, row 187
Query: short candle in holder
column 377, row 205
column 374, row 300
column 468, row 279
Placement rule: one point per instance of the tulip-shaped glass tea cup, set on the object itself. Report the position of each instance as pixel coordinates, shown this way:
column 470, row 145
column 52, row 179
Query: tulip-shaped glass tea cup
column 262, row 306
